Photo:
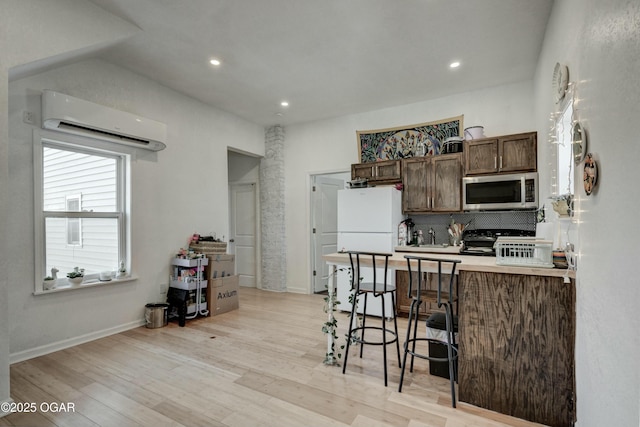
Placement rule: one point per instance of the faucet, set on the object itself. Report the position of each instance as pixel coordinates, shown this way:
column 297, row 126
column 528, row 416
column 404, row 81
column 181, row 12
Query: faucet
column 432, row 236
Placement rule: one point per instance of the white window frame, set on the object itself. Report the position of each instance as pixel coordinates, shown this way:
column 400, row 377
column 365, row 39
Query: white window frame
column 87, row 145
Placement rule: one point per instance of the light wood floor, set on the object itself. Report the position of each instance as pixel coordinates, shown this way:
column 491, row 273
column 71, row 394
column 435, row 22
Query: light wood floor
column 261, row 365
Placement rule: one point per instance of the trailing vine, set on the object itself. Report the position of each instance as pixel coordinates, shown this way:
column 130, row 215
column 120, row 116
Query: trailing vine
column 330, row 327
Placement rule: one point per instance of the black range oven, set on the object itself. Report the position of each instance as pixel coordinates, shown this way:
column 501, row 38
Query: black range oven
column 482, row 241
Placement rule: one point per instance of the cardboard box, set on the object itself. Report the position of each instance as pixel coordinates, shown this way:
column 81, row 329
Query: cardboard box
column 223, row 296
column 220, row 265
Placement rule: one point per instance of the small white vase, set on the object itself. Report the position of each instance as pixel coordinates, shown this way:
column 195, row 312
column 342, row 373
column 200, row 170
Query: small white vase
column 48, row 284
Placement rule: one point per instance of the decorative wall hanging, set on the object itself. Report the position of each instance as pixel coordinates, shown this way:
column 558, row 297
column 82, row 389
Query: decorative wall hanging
column 578, row 142
column 590, row 176
column 560, row 81
column 401, row 142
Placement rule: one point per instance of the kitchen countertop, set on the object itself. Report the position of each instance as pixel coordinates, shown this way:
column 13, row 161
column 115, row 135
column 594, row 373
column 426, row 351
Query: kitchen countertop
column 468, row 263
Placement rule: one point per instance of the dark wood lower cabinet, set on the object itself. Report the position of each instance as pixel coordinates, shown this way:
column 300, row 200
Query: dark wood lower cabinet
column 403, row 303
column 517, row 340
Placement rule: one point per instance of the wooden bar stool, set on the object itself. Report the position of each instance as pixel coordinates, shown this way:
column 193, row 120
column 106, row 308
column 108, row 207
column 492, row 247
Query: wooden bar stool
column 419, row 293
column 378, row 289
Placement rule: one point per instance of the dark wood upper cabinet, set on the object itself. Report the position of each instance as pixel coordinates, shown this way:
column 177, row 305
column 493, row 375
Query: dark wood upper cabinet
column 503, row 154
column 481, row 156
column 384, row 172
column 447, row 183
column 415, row 185
column 362, row 171
column 432, row 184
column 518, row 152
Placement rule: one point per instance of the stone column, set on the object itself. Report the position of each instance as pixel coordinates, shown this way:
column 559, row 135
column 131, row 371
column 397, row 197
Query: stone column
column 272, row 219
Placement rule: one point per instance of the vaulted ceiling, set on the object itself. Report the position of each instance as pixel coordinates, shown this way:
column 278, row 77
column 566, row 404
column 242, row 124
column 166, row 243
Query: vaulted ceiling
column 327, row 57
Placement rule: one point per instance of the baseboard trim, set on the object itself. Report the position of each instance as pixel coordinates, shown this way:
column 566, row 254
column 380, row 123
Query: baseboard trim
column 297, row 290
column 70, row 342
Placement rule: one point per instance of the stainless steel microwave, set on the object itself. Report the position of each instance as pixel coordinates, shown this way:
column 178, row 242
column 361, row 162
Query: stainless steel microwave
column 496, row 192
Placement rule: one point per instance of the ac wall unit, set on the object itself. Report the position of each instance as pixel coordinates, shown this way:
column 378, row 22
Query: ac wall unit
column 67, row 114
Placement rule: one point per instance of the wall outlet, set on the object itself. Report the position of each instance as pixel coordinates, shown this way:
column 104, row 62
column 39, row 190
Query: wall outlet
column 28, row 117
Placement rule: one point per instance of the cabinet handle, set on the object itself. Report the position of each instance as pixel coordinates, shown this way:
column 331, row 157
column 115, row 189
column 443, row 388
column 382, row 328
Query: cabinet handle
column 500, row 162
column 495, row 162
column 432, row 203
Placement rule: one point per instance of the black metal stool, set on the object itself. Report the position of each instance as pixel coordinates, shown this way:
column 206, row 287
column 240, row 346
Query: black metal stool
column 378, row 290
column 419, row 293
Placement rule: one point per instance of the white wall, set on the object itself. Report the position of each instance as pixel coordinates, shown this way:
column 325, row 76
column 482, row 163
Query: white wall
column 4, row 213
column 176, row 192
column 600, row 43
column 243, row 168
column 330, row 145
column 31, row 32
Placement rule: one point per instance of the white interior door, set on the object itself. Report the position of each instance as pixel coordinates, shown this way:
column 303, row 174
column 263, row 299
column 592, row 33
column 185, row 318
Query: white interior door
column 324, row 201
column 242, row 241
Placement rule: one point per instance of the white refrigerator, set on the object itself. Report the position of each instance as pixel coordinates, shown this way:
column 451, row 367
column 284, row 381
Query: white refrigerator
column 368, row 220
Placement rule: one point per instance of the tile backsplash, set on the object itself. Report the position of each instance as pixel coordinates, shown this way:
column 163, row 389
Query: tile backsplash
column 519, row 220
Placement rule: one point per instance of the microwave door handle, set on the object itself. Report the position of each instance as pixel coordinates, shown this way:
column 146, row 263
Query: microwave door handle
column 523, row 190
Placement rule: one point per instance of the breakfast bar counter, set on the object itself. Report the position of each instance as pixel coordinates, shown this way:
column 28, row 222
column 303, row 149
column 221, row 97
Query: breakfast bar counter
column 516, row 336
column 485, row 264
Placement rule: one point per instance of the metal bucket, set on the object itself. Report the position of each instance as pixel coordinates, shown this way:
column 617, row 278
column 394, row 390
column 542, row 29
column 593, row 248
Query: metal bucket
column 474, row 132
column 156, row 315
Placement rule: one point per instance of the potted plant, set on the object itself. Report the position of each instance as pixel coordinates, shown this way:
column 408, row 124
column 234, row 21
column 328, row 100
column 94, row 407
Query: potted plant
column 76, row 276
column 563, row 205
column 48, row 283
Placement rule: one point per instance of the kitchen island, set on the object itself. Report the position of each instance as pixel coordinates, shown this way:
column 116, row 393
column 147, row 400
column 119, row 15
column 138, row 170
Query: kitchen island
column 516, row 336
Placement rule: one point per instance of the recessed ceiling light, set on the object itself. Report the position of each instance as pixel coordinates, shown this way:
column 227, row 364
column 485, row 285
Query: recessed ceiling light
column 454, row 64
column 284, row 103
column 215, row 62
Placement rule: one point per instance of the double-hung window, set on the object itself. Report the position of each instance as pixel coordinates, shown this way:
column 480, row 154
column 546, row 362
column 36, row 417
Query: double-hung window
column 80, row 212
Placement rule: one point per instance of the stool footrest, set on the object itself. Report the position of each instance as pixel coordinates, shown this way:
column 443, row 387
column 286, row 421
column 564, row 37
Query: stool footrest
column 454, row 350
column 379, row 328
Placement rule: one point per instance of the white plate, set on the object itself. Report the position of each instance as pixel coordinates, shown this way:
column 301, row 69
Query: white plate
column 560, row 81
column 578, row 142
